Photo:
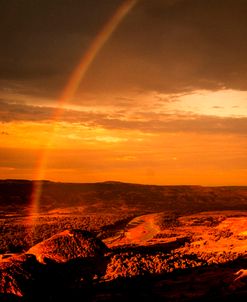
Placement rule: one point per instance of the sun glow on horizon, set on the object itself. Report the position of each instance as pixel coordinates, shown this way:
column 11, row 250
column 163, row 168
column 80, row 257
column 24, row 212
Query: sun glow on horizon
column 222, row 103
column 86, row 154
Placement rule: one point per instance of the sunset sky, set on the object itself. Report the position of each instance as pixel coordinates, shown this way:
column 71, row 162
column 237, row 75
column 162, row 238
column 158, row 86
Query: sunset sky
column 164, row 100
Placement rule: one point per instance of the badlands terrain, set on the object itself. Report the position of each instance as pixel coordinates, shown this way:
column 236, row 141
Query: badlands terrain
column 123, row 242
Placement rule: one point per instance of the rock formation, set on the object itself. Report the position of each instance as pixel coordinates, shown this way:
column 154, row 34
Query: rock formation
column 68, row 245
column 17, row 274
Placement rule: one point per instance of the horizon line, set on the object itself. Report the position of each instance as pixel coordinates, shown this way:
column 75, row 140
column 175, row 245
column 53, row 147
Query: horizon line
column 117, row 181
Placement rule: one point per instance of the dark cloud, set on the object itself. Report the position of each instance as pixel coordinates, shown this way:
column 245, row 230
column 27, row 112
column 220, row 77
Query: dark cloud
column 43, row 40
column 141, row 121
column 161, row 45
column 191, row 45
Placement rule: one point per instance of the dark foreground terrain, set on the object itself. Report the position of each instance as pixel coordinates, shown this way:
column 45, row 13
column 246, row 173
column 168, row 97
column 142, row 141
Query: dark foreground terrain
column 123, row 242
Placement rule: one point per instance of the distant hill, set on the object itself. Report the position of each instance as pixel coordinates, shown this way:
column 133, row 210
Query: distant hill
column 116, row 196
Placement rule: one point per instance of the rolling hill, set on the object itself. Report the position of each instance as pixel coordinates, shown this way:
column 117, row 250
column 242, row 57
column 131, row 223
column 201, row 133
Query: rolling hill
column 116, row 196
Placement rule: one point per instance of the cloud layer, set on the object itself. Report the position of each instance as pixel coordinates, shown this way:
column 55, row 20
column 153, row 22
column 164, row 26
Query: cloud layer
column 162, row 45
column 139, row 121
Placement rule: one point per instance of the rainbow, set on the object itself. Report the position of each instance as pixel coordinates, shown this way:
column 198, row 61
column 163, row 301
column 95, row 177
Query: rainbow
column 68, row 93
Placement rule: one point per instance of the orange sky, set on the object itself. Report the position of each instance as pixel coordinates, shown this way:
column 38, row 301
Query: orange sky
column 151, row 108
column 85, row 154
